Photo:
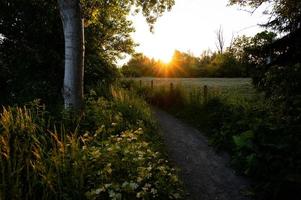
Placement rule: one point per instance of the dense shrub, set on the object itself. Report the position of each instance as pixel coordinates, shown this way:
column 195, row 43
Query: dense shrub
column 113, row 152
column 262, row 146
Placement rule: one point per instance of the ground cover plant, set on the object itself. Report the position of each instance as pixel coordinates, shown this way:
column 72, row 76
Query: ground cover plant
column 112, row 152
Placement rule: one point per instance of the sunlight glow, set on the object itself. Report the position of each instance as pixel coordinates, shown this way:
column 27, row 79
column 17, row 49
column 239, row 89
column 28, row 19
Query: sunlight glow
column 163, row 55
column 191, row 26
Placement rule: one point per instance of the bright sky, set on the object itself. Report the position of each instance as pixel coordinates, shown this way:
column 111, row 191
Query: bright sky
column 191, row 25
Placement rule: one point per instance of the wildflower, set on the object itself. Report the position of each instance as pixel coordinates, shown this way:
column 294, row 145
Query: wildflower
column 133, row 185
column 124, row 184
column 140, row 194
column 139, row 179
column 98, row 191
column 154, row 191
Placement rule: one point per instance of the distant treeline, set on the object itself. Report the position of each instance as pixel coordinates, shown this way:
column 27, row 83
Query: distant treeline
column 186, row 65
column 236, row 61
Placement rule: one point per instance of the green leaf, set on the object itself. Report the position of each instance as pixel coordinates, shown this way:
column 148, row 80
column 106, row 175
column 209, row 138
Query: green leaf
column 243, row 140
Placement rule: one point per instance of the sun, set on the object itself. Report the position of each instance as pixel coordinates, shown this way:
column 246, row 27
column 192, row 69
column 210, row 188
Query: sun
column 165, row 58
column 162, row 54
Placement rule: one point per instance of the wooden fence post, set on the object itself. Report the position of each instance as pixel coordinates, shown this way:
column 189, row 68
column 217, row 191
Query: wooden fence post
column 171, row 87
column 152, row 84
column 140, row 83
column 205, row 93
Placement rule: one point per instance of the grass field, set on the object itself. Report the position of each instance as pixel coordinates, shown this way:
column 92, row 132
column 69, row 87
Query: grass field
column 226, row 86
column 196, row 82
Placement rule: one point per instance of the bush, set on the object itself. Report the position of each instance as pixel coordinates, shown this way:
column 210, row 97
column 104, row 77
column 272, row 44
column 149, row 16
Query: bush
column 112, row 153
column 263, row 147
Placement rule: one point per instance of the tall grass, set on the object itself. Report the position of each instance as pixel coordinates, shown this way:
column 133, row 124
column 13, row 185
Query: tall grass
column 19, row 144
column 110, row 153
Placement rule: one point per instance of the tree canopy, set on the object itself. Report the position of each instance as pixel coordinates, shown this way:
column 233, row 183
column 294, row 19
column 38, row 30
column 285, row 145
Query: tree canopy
column 285, row 15
column 31, row 53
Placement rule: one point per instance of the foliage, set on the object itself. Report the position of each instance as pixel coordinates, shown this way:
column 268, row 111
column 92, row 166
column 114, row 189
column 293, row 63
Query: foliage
column 249, row 49
column 285, row 14
column 107, row 33
column 226, row 65
column 187, row 65
column 276, row 71
column 249, row 52
column 276, row 62
column 31, row 52
column 107, row 156
column 150, row 9
column 263, row 146
column 31, row 44
column 139, row 65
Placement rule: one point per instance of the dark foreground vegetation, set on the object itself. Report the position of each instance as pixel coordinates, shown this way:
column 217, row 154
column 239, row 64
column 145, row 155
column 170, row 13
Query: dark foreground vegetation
column 112, row 152
column 110, row 149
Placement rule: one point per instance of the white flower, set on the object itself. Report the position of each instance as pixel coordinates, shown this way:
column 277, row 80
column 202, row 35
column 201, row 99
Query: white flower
column 133, row 185
column 154, row 191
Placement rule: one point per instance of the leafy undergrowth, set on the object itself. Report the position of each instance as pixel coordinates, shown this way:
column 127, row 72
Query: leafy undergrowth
column 263, row 142
column 263, row 145
column 112, row 152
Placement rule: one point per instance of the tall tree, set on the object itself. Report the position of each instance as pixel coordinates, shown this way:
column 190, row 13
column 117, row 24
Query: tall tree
column 32, row 50
column 73, row 90
column 71, row 14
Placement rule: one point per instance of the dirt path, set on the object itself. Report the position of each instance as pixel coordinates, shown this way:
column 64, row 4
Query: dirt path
column 204, row 173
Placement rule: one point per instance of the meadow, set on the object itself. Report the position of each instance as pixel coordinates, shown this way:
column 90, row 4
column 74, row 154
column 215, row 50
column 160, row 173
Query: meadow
column 230, row 88
column 197, row 82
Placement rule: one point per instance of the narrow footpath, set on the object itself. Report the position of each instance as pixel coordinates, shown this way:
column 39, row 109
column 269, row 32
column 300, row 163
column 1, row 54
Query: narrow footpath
column 205, row 174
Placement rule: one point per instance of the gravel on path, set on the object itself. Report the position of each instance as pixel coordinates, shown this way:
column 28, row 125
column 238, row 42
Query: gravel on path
column 205, row 174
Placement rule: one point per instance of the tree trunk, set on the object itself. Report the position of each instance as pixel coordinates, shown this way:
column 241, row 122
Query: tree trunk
column 74, row 53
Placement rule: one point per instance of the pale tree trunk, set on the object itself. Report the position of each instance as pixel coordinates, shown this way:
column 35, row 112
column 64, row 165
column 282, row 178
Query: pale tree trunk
column 74, row 53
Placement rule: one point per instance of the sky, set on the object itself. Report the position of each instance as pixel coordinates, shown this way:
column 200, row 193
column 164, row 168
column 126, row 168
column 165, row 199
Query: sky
column 191, row 25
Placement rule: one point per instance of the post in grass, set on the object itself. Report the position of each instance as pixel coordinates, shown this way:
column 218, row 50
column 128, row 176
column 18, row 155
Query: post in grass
column 205, row 93
column 171, row 87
